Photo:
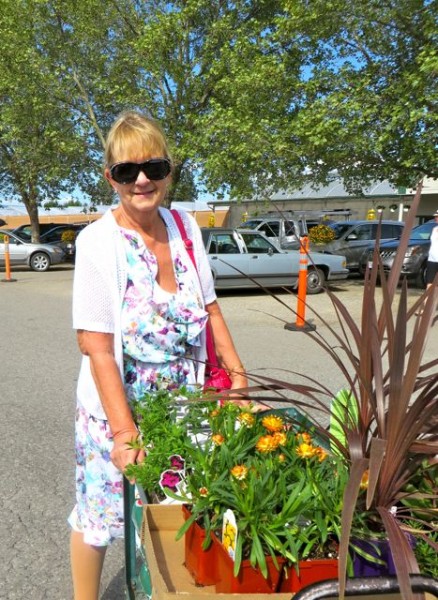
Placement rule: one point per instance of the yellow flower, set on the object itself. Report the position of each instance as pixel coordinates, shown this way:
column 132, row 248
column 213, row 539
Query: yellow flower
column 273, row 423
column 280, row 437
column 239, row 472
column 267, row 443
column 246, row 419
column 203, row 492
column 305, row 450
column 229, row 537
column 218, row 439
column 281, row 458
column 364, row 481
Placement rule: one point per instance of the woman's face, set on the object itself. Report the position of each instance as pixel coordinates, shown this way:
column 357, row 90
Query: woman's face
column 144, row 195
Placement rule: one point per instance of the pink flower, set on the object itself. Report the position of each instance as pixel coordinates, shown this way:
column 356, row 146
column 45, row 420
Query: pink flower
column 170, row 479
column 177, row 462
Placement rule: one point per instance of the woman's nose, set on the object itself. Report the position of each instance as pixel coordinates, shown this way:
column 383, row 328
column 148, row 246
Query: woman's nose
column 142, row 178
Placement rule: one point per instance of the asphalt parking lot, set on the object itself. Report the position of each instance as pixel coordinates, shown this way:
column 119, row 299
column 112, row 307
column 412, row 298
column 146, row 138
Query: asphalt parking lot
column 38, row 372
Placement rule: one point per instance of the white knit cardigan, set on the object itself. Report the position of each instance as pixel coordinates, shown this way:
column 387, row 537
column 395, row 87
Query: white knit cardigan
column 99, row 286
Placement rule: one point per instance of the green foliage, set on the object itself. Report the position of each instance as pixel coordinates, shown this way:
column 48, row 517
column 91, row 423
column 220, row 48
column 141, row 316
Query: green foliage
column 251, row 94
column 369, row 97
column 426, row 555
column 164, row 432
column 282, row 487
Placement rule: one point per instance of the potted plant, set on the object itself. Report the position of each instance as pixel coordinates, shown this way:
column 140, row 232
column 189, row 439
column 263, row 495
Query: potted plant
column 68, row 236
column 321, row 234
column 166, row 427
column 389, row 419
column 282, row 488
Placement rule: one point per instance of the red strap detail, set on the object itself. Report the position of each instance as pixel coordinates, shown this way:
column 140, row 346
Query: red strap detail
column 211, row 352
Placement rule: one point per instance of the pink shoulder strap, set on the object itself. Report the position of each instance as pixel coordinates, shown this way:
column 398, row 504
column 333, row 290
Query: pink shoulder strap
column 211, row 352
column 182, row 230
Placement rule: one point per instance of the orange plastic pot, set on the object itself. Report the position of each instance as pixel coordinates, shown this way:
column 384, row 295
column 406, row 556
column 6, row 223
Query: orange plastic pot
column 200, row 563
column 310, row 571
column 249, row 580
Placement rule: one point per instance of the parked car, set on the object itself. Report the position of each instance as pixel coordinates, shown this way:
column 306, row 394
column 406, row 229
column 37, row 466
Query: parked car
column 283, row 228
column 414, row 263
column 39, row 257
column 238, row 256
column 52, row 233
column 352, row 238
column 25, row 230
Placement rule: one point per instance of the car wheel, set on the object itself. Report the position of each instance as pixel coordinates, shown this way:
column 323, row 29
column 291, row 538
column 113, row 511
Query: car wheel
column 420, row 280
column 315, row 280
column 39, row 261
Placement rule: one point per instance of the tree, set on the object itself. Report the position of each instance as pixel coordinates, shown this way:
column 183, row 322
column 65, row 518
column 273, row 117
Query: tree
column 48, row 123
column 204, row 70
column 39, row 141
column 252, row 94
column 369, row 95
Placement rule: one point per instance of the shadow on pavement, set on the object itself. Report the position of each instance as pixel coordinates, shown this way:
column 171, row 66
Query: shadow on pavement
column 116, row 588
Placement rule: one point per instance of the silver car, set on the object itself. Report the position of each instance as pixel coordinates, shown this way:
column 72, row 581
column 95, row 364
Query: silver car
column 242, row 258
column 39, row 257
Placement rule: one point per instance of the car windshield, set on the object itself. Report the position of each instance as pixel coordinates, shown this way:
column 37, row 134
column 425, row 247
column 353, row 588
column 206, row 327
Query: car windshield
column 256, row 244
column 422, row 232
column 250, row 224
column 24, row 235
column 340, row 229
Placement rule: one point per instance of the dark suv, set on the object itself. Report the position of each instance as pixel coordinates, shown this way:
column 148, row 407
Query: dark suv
column 353, row 238
column 414, row 263
column 51, row 233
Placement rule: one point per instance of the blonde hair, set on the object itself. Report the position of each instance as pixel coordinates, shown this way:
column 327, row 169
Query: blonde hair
column 133, row 135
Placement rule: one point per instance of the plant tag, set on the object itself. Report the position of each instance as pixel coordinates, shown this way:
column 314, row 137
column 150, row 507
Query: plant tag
column 229, row 533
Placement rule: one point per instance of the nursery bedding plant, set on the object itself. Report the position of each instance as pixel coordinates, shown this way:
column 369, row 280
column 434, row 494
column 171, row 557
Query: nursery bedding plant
column 389, row 424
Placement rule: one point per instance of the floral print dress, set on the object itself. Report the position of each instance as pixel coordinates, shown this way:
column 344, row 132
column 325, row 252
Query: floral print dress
column 159, row 332
column 159, row 328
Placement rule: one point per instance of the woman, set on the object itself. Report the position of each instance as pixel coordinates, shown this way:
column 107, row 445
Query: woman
column 140, row 310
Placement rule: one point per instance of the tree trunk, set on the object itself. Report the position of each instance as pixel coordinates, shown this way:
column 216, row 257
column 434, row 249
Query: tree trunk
column 176, row 176
column 30, row 200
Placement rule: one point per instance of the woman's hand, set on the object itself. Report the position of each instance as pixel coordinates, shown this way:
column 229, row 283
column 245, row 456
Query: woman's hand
column 124, row 451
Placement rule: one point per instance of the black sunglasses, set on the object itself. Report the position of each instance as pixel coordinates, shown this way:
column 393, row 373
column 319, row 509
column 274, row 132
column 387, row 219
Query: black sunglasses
column 127, row 172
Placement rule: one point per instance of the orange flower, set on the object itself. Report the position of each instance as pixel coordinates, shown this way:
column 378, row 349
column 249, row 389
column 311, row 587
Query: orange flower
column 280, row 437
column 267, row 443
column 239, row 472
column 304, row 437
column 273, row 423
column 305, row 450
column 218, row 439
column 203, row 492
column 215, row 412
column 321, row 453
column 246, row 419
column 364, row 481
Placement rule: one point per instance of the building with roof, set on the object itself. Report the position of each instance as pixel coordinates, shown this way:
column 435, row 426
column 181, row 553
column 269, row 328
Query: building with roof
column 333, row 199
column 380, row 197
